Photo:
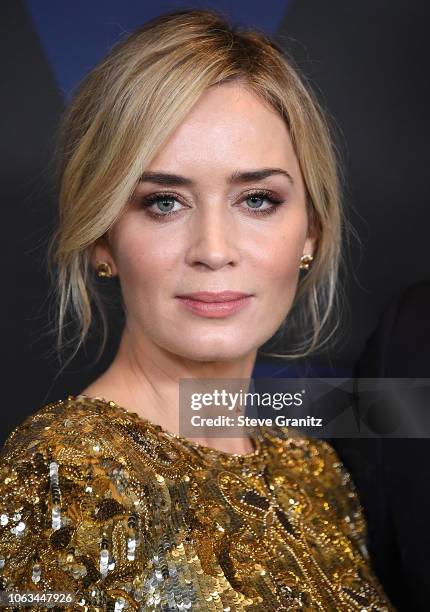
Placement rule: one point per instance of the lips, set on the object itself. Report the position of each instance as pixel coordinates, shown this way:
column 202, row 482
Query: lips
column 212, row 296
column 214, row 305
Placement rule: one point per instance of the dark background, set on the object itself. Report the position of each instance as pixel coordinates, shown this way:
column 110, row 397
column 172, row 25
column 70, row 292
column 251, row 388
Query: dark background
column 368, row 62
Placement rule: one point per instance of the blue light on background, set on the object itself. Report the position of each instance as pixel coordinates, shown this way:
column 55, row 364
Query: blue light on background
column 76, row 35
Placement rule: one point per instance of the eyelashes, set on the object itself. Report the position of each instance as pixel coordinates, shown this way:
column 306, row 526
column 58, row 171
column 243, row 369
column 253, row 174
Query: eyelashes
column 166, row 199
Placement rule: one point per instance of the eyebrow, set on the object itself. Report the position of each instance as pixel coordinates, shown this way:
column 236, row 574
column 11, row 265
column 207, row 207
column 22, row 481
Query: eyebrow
column 247, row 176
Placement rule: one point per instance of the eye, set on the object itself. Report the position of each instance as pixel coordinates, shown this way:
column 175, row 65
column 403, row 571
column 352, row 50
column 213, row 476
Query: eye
column 256, row 198
column 160, row 205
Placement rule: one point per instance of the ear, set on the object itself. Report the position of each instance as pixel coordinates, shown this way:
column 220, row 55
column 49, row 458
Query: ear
column 313, row 233
column 102, row 252
column 309, row 247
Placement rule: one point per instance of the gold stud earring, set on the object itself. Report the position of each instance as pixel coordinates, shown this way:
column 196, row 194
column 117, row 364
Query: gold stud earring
column 305, row 262
column 104, row 269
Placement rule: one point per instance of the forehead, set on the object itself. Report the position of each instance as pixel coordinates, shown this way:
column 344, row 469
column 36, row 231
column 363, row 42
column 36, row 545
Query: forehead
column 229, row 124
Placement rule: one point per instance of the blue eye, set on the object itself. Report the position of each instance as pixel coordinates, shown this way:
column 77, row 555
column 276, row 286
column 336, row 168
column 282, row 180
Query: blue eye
column 263, row 195
column 161, row 205
column 164, row 202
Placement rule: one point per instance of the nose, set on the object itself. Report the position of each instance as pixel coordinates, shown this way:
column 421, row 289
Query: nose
column 213, row 238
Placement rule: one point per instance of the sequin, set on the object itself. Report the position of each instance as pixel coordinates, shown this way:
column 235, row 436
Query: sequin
column 97, row 501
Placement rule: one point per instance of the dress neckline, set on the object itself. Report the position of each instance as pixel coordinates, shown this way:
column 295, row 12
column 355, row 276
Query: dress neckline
column 256, row 440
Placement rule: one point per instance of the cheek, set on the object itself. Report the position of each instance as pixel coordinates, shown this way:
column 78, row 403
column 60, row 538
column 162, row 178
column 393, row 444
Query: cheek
column 279, row 277
column 278, row 259
column 142, row 258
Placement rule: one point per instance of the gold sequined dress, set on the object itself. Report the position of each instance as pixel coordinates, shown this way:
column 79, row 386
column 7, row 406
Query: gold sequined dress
column 98, row 501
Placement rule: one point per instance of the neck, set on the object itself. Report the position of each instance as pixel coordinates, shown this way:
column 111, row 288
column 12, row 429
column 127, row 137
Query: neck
column 144, row 378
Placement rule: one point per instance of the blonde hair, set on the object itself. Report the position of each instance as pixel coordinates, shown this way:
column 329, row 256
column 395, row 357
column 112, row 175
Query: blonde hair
column 129, row 104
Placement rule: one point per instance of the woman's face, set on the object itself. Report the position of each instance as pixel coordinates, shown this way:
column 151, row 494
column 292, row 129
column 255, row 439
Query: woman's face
column 214, row 230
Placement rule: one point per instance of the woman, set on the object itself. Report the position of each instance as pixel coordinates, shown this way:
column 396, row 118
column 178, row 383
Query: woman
column 194, row 162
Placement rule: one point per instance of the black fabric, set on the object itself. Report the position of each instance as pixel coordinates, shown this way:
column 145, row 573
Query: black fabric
column 392, row 475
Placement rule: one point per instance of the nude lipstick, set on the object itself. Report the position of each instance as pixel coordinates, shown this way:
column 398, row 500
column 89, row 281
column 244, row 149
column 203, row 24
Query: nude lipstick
column 214, row 305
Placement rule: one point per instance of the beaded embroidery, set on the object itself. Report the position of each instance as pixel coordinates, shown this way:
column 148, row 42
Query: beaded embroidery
column 98, row 501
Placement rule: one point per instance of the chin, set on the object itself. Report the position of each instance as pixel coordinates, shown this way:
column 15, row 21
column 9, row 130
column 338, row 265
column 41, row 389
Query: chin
column 204, row 350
